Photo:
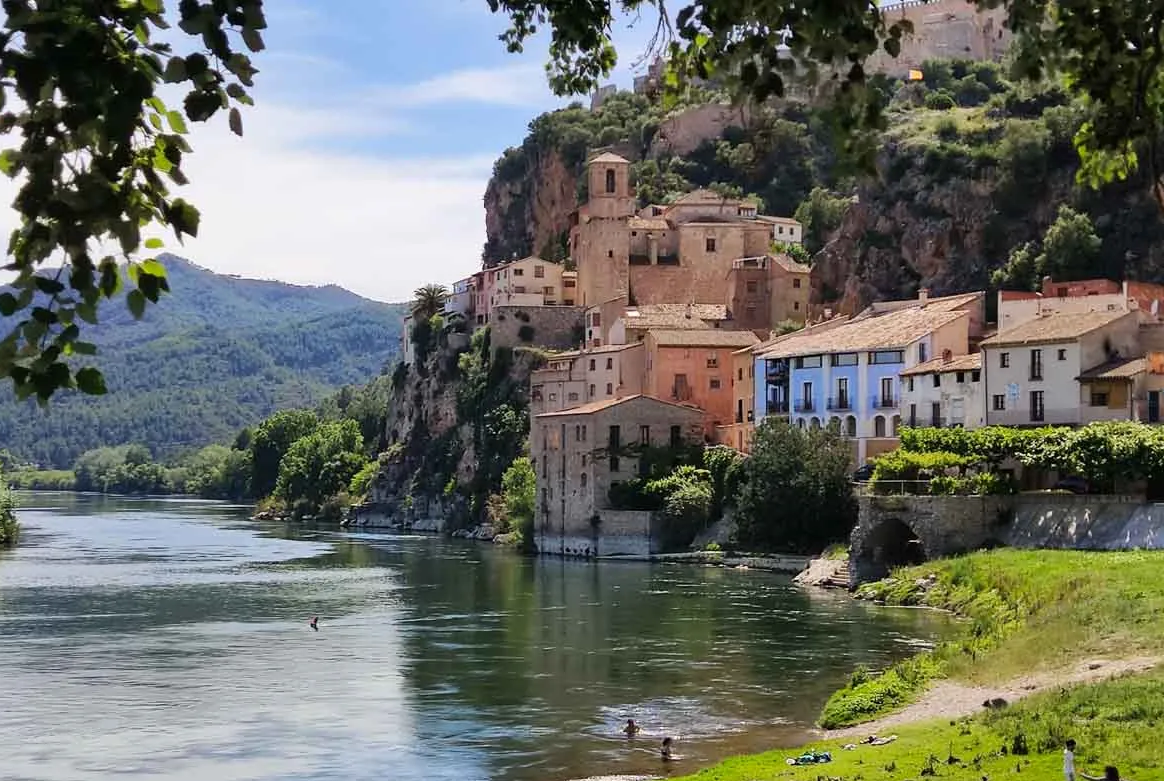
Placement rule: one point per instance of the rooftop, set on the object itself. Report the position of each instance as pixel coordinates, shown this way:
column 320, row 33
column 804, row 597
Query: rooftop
column 889, row 331
column 957, row 363
column 779, row 220
column 706, row 338
column 788, row 264
column 648, row 224
column 702, row 196
column 688, row 316
column 609, row 157
column 599, row 406
column 1059, row 327
column 1118, row 369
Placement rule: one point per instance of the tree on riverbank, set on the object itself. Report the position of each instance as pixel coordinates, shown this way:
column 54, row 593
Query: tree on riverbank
column 320, row 466
column 795, row 493
column 9, row 527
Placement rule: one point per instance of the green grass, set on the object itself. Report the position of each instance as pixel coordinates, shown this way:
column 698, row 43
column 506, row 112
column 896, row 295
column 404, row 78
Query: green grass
column 1025, row 611
column 1115, row 722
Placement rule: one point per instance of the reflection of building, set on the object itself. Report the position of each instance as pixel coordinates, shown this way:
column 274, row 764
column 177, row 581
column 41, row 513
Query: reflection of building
column 580, row 453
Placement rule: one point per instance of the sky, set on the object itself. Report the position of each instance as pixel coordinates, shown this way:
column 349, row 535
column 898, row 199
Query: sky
column 365, row 158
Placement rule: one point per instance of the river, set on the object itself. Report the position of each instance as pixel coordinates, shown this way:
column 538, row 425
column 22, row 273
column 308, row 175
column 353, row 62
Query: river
column 170, row 639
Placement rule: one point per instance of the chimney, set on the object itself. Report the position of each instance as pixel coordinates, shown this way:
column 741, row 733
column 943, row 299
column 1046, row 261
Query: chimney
column 923, row 296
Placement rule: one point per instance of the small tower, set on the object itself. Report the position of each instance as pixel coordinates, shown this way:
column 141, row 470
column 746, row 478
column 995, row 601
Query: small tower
column 609, row 187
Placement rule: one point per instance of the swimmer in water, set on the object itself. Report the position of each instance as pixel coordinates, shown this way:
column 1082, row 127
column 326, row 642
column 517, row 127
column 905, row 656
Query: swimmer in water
column 631, row 729
column 665, row 750
column 314, row 623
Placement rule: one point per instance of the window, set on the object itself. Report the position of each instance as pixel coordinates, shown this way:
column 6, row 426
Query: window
column 921, row 353
column 752, row 287
column 1098, row 398
column 539, row 272
column 879, row 426
column 806, row 397
column 713, row 360
column 609, row 364
column 569, row 283
column 1036, row 406
column 796, row 306
column 936, row 413
column 573, row 397
column 937, row 380
column 610, row 253
column 644, row 435
column 780, row 229
column 715, row 384
column 842, row 400
column 519, row 289
column 595, row 319
column 912, row 415
column 843, row 359
column 676, row 436
column 999, row 402
column 517, row 272
column 886, row 391
column 553, row 397
column 887, row 356
column 613, row 445
column 610, row 180
column 809, row 362
column 1036, row 364
column 584, row 481
column 591, row 391
column 796, row 283
column 710, row 244
column 740, row 372
column 609, row 389
column 975, row 375
column 548, row 290
column 591, row 364
column 1004, row 360
column 577, row 433
column 960, row 377
column 910, row 384
column 1062, row 355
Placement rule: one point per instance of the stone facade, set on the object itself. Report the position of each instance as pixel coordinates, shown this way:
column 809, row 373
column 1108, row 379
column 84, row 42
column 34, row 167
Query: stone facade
column 579, row 377
column 950, row 29
column 554, row 327
column 579, row 453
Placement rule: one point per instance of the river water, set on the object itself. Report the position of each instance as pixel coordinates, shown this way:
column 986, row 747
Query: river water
column 169, row 639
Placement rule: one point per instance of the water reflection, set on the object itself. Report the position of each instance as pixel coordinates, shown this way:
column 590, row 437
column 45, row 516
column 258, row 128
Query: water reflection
column 170, row 639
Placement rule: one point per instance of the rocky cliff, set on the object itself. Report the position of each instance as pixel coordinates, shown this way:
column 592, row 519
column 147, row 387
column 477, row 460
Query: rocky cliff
column 972, row 168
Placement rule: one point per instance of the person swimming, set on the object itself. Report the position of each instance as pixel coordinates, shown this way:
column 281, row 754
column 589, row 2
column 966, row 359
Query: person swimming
column 314, row 623
column 665, row 750
column 631, row 729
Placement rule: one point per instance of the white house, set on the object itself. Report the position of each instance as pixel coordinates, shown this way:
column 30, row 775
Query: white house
column 945, row 391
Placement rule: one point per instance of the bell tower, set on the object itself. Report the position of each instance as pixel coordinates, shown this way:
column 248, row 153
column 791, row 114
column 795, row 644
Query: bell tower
column 609, row 187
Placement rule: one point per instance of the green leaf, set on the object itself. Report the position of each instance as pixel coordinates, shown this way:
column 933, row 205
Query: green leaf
column 177, row 122
column 237, row 92
column 84, row 348
column 8, row 304
column 8, row 162
column 136, row 301
column 236, row 122
column 90, row 381
column 87, row 312
column 110, row 281
column 175, row 70
column 153, row 268
column 50, row 287
column 154, row 244
column 253, row 40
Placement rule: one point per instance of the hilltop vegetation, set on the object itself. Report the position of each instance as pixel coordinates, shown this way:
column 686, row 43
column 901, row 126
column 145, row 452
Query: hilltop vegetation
column 973, row 168
column 219, row 354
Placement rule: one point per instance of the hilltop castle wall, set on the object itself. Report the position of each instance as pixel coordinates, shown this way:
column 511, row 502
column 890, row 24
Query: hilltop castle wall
column 951, row 29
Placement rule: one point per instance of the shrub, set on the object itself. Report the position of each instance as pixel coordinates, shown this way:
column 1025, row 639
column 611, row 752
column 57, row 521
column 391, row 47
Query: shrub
column 940, row 100
column 9, row 527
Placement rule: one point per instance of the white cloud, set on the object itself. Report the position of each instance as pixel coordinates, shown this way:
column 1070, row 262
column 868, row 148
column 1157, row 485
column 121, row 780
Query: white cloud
column 275, row 204
column 520, row 85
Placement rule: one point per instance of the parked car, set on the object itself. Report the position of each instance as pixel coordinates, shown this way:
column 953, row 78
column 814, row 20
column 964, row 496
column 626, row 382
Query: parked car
column 863, row 474
column 1076, row 485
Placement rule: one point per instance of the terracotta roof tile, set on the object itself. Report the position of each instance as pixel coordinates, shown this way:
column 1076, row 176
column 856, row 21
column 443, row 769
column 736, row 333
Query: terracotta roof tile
column 648, row 224
column 687, row 316
column 788, row 264
column 1119, row 369
column 1060, row 327
column 890, row 331
column 958, row 363
column 713, row 337
column 599, row 406
column 609, row 157
column 702, row 196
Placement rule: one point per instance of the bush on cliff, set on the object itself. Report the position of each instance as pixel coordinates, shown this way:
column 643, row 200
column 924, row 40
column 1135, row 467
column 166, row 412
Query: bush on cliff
column 9, row 527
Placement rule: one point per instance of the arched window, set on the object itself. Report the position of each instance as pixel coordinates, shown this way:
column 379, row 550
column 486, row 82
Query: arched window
column 584, row 478
column 815, row 423
column 879, row 426
column 851, row 426
column 800, row 423
column 610, row 180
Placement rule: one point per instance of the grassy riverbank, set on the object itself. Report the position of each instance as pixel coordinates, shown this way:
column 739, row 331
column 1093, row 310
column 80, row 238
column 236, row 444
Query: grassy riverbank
column 1026, row 612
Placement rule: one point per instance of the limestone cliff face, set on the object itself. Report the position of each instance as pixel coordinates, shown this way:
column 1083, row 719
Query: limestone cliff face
column 527, row 211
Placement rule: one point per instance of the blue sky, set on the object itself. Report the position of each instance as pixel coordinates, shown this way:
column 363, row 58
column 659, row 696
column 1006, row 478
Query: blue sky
column 367, row 153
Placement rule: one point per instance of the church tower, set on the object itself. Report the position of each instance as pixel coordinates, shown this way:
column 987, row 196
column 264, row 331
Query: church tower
column 602, row 250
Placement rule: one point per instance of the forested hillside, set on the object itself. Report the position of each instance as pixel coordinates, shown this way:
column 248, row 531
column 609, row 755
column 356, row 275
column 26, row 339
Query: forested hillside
column 218, row 354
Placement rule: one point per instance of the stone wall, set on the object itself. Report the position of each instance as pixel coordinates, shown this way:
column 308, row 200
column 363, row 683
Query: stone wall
column 682, row 132
column 1085, row 522
column 620, row 533
column 554, row 327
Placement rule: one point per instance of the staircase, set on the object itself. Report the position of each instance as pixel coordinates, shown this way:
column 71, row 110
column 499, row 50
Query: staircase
column 839, row 578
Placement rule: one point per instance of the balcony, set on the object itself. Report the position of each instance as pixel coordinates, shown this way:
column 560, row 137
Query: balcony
column 775, row 407
column 883, row 402
column 805, row 405
column 840, row 404
column 751, row 416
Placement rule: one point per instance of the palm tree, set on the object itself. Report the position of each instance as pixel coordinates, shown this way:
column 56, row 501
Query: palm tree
column 428, row 300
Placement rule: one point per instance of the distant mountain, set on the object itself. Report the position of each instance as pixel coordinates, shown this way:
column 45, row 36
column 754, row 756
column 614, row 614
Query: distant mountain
column 217, row 354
